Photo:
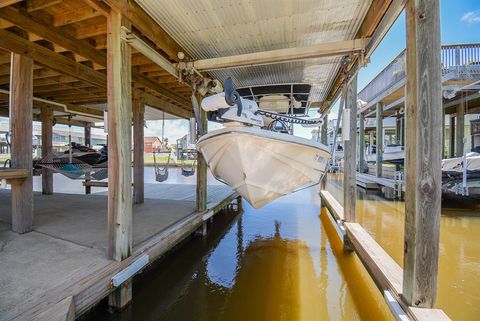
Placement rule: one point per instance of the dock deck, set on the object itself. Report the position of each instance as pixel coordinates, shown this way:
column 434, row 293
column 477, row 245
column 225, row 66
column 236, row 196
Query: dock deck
column 65, row 257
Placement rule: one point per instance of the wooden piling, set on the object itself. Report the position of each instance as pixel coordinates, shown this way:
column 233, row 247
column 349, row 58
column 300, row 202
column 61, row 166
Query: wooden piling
column 202, row 169
column 361, row 143
column 138, row 149
column 379, row 140
column 423, row 153
column 46, row 116
column 324, row 131
column 349, row 135
column 119, row 140
column 460, row 130
column 451, row 145
column 21, row 114
column 87, row 135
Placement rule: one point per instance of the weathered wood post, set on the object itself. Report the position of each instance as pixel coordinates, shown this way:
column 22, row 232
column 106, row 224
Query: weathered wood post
column 451, row 145
column 443, row 133
column 87, row 135
column 119, row 151
column 349, row 134
column 324, row 131
column 46, row 116
column 379, row 140
column 324, row 140
column 138, row 148
column 423, row 153
column 21, row 117
column 361, row 143
column 460, row 130
column 202, row 169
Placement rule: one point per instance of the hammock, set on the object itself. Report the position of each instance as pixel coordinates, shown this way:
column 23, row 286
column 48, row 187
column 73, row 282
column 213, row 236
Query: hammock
column 72, row 167
column 161, row 173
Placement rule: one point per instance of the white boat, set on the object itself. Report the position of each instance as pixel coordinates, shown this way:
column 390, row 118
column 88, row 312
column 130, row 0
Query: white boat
column 394, row 154
column 261, row 165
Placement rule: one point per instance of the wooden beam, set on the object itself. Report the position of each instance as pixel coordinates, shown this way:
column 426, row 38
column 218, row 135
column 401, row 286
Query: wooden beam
column 423, row 153
column 14, row 173
column 142, row 80
column 339, row 48
column 119, row 142
column 76, row 15
column 98, row 5
column 35, row 5
column 21, row 110
column 333, row 206
column 91, row 30
column 146, row 25
column 379, row 139
column 201, row 165
column 138, row 148
column 6, row 3
column 46, row 115
column 50, row 59
column 349, row 135
column 154, row 101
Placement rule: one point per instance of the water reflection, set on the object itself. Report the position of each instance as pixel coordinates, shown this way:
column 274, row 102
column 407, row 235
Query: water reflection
column 274, row 263
column 459, row 262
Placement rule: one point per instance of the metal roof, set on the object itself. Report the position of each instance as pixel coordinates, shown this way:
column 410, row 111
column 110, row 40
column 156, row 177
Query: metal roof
column 217, row 28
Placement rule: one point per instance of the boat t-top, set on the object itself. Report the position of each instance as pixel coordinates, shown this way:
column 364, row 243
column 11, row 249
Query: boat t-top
column 260, row 164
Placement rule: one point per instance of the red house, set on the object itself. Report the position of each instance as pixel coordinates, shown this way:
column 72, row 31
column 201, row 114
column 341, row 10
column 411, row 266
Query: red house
column 152, row 144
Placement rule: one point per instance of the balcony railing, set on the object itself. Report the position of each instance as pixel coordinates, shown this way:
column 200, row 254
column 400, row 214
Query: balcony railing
column 451, row 56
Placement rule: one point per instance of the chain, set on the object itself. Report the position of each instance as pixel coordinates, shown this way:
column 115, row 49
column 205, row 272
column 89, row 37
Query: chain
column 287, row 119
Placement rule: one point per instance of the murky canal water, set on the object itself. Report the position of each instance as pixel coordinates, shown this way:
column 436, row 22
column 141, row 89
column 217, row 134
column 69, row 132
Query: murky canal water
column 281, row 263
column 275, row 263
column 459, row 269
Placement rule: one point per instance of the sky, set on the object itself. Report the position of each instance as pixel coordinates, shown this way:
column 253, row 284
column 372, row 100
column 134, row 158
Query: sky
column 460, row 23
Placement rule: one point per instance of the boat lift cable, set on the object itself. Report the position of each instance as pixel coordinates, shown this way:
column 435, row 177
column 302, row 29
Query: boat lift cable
column 288, row 119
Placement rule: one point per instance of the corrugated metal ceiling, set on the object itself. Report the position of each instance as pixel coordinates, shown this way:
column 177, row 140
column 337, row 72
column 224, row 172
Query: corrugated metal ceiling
column 217, row 28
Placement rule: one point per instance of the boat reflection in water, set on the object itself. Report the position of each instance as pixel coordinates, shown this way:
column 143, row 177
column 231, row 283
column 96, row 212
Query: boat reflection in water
column 273, row 263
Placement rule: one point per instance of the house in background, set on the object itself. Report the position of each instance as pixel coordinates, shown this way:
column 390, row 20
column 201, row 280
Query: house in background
column 152, row 144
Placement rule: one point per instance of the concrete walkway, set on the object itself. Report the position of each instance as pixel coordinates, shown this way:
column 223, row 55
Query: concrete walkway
column 70, row 238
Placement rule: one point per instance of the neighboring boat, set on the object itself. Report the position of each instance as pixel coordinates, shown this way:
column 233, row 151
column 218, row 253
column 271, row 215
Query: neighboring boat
column 261, row 165
column 393, row 154
column 461, row 182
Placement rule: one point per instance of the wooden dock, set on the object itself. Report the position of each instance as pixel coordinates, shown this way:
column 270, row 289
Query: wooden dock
column 64, row 255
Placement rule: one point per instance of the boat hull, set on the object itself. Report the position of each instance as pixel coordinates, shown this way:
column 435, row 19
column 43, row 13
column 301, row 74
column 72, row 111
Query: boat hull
column 262, row 165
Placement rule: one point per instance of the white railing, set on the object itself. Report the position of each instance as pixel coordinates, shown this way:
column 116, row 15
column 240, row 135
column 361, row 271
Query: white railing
column 451, row 56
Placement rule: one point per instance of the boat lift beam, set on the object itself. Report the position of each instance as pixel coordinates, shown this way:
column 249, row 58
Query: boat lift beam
column 330, row 49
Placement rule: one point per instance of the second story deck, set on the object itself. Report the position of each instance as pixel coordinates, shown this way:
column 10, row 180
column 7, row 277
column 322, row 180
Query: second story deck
column 460, row 72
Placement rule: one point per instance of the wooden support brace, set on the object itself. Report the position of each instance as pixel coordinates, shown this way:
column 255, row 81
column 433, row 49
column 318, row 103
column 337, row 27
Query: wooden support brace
column 21, row 104
column 423, row 153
